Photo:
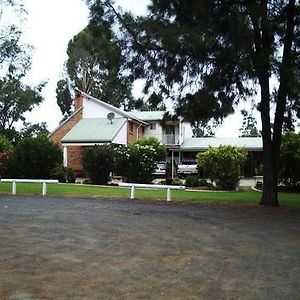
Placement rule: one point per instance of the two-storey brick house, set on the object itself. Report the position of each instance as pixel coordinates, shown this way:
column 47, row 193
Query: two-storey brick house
column 96, row 122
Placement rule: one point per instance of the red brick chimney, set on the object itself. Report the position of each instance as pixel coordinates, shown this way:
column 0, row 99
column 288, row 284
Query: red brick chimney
column 78, row 100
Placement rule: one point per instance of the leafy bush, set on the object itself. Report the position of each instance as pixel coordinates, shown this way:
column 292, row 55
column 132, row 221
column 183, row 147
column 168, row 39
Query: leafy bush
column 6, row 149
column 161, row 150
column 222, row 165
column 176, row 181
column 203, row 182
column 5, row 144
column 34, row 158
column 289, row 172
column 63, row 174
column 135, row 163
column 192, row 181
column 98, row 162
column 170, row 181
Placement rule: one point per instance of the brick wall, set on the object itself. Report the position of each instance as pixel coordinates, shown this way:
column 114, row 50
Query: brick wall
column 132, row 132
column 59, row 133
column 74, row 152
column 74, row 159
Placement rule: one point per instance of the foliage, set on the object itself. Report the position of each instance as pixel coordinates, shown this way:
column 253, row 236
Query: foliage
column 172, row 181
column 97, row 163
column 95, row 66
column 34, row 130
column 6, row 149
column 34, row 158
column 63, row 174
column 203, row 182
column 153, row 102
column 161, row 150
column 249, row 128
column 204, row 129
column 136, row 163
column 16, row 98
column 14, row 56
column 289, row 173
column 176, row 181
column 63, row 97
column 222, row 165
column 209, row 55
column 5, row 144
column 192, row 181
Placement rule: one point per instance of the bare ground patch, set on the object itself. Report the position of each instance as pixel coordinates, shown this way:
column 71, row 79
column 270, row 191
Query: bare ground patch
column 55, row 248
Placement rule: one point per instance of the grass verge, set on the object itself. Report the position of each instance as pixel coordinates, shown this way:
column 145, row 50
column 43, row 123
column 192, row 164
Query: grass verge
column 78, row 190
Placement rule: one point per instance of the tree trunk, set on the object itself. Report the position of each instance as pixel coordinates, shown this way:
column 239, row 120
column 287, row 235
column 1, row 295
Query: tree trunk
column 269, row 194
column 272, row 146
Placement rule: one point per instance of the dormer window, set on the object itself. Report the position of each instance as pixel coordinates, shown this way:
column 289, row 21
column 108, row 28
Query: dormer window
column 152, row 126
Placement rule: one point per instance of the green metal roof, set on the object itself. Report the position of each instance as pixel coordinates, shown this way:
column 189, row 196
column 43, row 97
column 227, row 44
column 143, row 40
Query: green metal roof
column 200, row 144
column 94, row 130
column 149, row 115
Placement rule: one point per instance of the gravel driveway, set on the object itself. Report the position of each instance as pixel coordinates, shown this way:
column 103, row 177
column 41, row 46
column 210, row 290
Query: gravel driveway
column 62, row 248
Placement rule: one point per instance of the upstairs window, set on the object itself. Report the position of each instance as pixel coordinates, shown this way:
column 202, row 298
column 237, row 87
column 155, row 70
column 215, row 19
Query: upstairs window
column 152, row 126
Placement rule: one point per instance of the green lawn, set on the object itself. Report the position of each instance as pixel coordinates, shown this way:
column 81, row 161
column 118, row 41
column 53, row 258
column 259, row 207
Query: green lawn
column 246, row 196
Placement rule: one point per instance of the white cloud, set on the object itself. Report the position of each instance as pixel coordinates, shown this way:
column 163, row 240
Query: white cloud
column 50, row 26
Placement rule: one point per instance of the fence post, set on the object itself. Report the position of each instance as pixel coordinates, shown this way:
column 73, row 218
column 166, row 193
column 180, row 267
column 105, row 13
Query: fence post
column 44, row 189
column 168, row 194
column 14, row 188
column 132, row 194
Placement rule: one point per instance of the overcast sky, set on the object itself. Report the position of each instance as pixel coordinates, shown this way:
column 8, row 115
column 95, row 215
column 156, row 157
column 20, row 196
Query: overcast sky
column 50, row 25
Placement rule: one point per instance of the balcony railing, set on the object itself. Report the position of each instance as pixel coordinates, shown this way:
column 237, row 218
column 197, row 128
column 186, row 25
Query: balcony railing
column 170, row 139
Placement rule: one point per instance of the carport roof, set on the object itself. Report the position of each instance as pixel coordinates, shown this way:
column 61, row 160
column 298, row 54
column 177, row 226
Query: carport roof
column 94, row 130
column 201, row 144
column 149, row 115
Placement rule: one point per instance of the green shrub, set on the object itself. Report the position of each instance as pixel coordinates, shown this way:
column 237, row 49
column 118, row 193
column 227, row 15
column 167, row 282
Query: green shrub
column 160, row 149
column 63, row 174
column 222, row 165
column 97, row 163
column 176, row 181
column 170, row 181
column 203, row 182
column 34, row 158
column 5, row 144
column 192, row 181
column 135, row 163
column 289, row 171
column 6, row 149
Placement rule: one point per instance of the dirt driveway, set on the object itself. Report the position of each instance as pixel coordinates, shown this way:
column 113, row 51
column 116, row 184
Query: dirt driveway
column 56, row 248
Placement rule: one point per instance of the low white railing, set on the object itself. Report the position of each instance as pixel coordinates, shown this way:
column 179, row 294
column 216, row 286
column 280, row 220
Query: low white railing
column 43, row 181
column 170, row 139
column 134, row 186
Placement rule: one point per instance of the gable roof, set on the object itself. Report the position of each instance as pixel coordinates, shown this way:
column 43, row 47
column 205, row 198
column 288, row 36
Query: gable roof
column 149, row 115
column 200, row 144
column 65, row 121
column 94, row 130
column 112, row 108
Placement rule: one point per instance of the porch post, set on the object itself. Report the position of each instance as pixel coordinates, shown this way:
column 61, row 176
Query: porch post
column 65, row 156
column 172, row 164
